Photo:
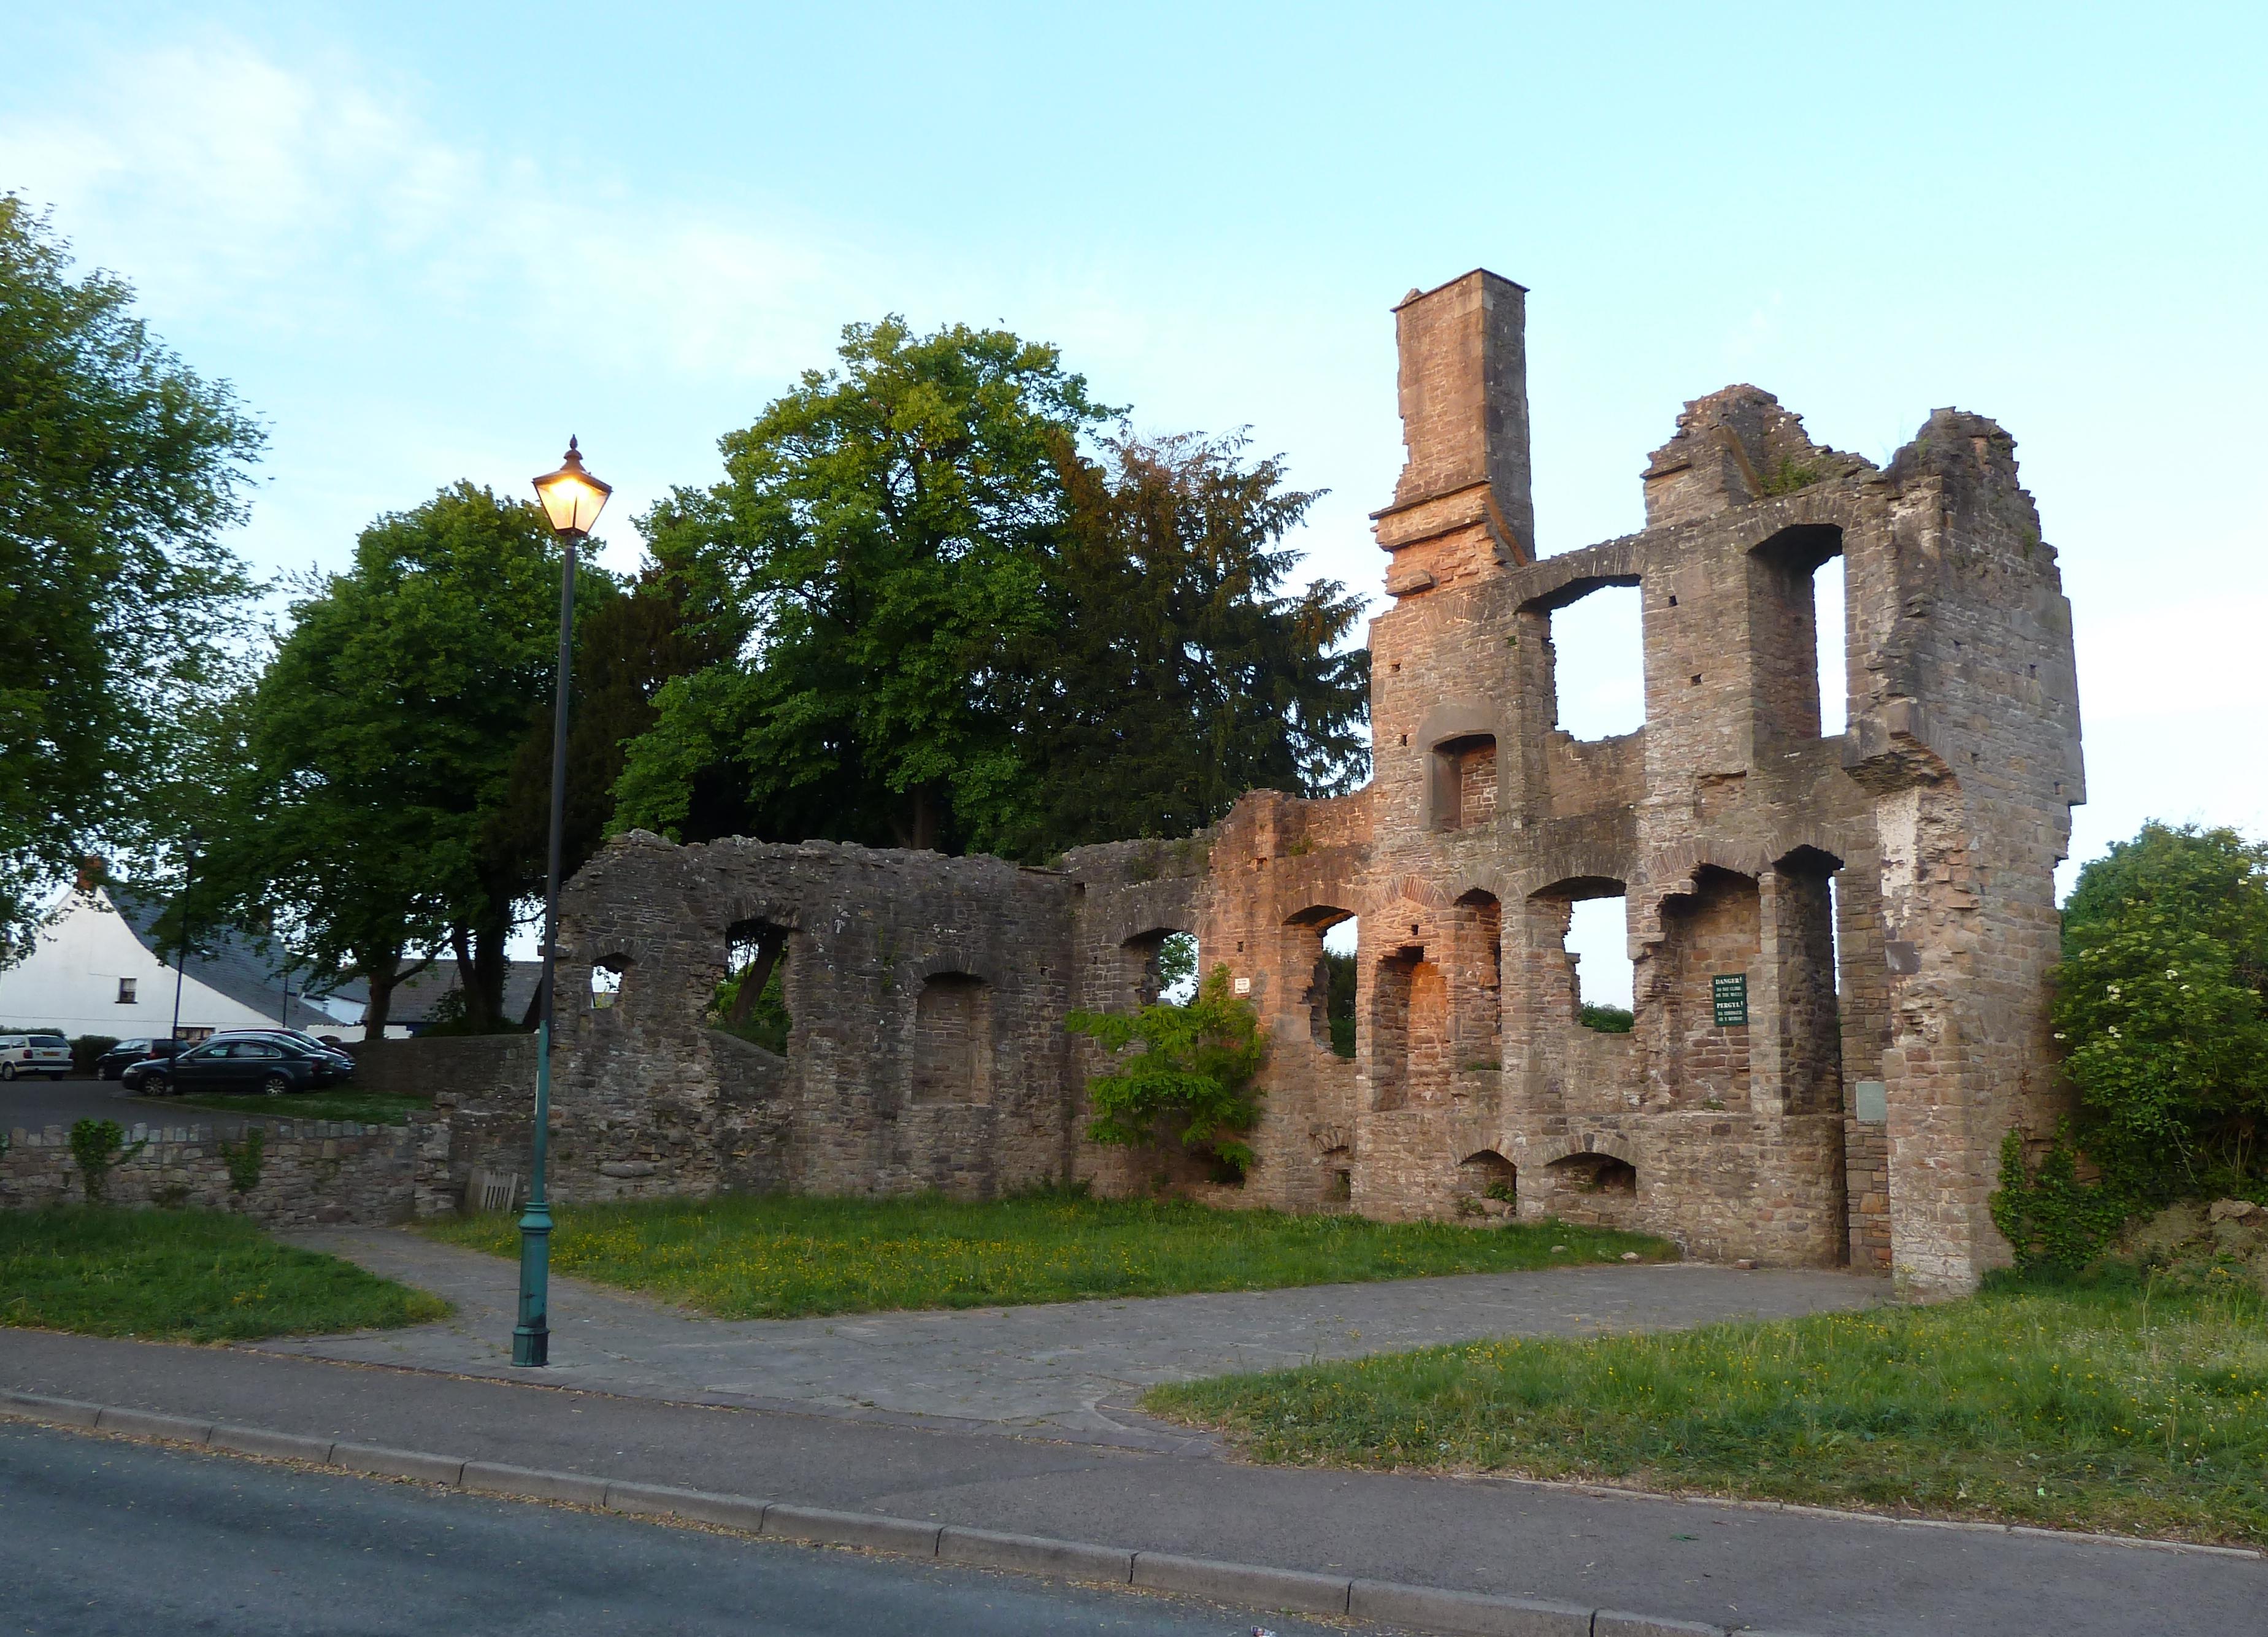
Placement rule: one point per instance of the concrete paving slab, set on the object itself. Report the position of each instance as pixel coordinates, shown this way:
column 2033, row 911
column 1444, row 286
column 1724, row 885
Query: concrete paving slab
column 1072, row 1369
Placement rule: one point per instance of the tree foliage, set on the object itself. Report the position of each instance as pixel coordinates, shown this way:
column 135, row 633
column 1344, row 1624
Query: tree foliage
column 1191, row 1078
column 2158, row 1007
column 120, row 468
column 875, row 546
column 2158, row 1003
column 948, row 627
column 381, row 742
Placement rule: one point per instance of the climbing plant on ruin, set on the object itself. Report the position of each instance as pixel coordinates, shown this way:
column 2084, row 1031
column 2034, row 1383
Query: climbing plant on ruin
column 1190, row 1079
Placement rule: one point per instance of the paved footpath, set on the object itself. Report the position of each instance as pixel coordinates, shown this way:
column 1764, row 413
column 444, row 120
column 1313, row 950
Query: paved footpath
column 1758, row 1568
column 1070, row 1369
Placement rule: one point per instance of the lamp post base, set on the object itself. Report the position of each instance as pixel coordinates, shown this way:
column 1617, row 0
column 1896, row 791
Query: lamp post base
column 531, row 1338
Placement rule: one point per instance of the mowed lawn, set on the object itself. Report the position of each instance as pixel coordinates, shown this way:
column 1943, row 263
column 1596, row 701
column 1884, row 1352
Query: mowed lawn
column 2123, row 1404
column 776, row 1257
column 184, row 1276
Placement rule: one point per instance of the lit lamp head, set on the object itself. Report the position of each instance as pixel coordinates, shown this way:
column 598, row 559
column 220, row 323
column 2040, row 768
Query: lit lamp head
column 571, row 497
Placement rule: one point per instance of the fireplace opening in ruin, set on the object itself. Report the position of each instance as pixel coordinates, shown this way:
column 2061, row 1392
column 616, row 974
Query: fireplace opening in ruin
column 1797, row 613
column 1488, row 1175
column 952, row 1040
column 1597, row 649
column 1321, row 943
column 1467, row 773
column 1412, row 1047
column 1593, row 1190
column 751, row 1002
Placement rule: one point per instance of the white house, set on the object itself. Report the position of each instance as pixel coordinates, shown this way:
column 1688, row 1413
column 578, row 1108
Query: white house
column 99, row 970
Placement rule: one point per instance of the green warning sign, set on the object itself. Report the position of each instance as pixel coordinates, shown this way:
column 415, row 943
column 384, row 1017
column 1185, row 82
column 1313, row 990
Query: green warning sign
column 1729, row 990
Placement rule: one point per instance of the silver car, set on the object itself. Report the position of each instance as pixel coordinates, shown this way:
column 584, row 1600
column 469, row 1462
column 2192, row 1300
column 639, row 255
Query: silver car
column 23, row 1054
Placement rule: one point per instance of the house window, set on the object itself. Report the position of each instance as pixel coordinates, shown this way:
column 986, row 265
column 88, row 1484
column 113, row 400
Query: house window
column 126, row 991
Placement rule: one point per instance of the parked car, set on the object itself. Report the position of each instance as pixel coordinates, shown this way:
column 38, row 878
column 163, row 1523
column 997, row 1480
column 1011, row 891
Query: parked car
column 25, row 1055
column 235, row 1065
column 113, row 1062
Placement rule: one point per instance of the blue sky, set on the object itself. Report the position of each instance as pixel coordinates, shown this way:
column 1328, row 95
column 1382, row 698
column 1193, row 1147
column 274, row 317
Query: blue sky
column 427, row 242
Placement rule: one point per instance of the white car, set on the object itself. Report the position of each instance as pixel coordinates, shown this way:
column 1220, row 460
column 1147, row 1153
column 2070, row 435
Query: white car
column 22, row 1054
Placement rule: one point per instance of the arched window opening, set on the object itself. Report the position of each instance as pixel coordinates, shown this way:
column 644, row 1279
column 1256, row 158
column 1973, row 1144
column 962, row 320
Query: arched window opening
column 607, row 981
column 1477, row 960
column 952, row 1040
column 751, row 1003
column 1412, row 1046
column 1595, row 1174
column 1161, row 965
column 1322, row 941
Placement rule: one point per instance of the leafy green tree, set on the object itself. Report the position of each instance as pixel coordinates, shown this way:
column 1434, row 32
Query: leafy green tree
column 949, row 627
column 877, row 545
column 120, row 469
column 380, row 744
column 2159, row 1006
column 1175, row 675
column 1191, row 1078
column 2158, row 1001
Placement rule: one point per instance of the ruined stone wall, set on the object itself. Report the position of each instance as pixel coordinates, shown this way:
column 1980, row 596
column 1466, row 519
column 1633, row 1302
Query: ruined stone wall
column 1884, row 897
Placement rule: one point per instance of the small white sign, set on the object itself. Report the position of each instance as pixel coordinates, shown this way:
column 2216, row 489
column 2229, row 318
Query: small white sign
column 1244, row 986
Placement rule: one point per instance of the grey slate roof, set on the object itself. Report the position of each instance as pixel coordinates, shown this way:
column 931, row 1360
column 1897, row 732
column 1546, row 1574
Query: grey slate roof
column 247, row 971
column 414, row 1000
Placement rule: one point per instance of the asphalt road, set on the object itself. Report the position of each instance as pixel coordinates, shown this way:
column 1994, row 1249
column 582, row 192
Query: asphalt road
column 100, row 1536
column 29, row 1104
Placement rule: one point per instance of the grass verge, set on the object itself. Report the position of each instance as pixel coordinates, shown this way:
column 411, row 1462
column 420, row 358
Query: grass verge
column 2121, row 1403
column 375, row 1108
column 184, row 1276
column 776, row 1257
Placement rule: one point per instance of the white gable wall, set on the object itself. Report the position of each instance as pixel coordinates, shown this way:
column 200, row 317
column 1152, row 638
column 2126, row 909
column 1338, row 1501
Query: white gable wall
column 71, row 982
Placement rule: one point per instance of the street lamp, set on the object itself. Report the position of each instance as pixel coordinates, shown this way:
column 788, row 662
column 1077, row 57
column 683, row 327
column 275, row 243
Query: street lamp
column 572, row 499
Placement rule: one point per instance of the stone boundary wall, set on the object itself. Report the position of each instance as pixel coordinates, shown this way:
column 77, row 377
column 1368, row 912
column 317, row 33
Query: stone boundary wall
column 312, row 1172
column 464, row 1066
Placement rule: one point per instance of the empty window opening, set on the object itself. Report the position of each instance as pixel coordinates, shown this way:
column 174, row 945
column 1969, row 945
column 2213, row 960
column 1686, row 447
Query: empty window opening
column 1467, row 775
column 1598, row 937
column 752, row 1000
column 1488, row 1175
column 607, row 981
column 1338, row 1176
column 1827, row 591
column 1323, row 942
column 952, row 1040
column 1161, row 965
column 1598, row 663
column 1796, row 588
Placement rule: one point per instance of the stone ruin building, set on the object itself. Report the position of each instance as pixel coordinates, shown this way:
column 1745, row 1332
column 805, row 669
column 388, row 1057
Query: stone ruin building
column 1839, row 942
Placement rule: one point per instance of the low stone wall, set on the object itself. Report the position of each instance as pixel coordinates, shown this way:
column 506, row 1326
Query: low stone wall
column 312, row 1172
column 467, row 1067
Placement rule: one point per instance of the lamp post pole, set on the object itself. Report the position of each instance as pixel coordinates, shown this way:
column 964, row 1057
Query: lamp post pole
column 571, row 499
column 181, row 935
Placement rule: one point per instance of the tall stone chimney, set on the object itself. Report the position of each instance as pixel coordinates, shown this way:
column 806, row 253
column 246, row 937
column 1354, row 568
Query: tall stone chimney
column 1464, row 509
